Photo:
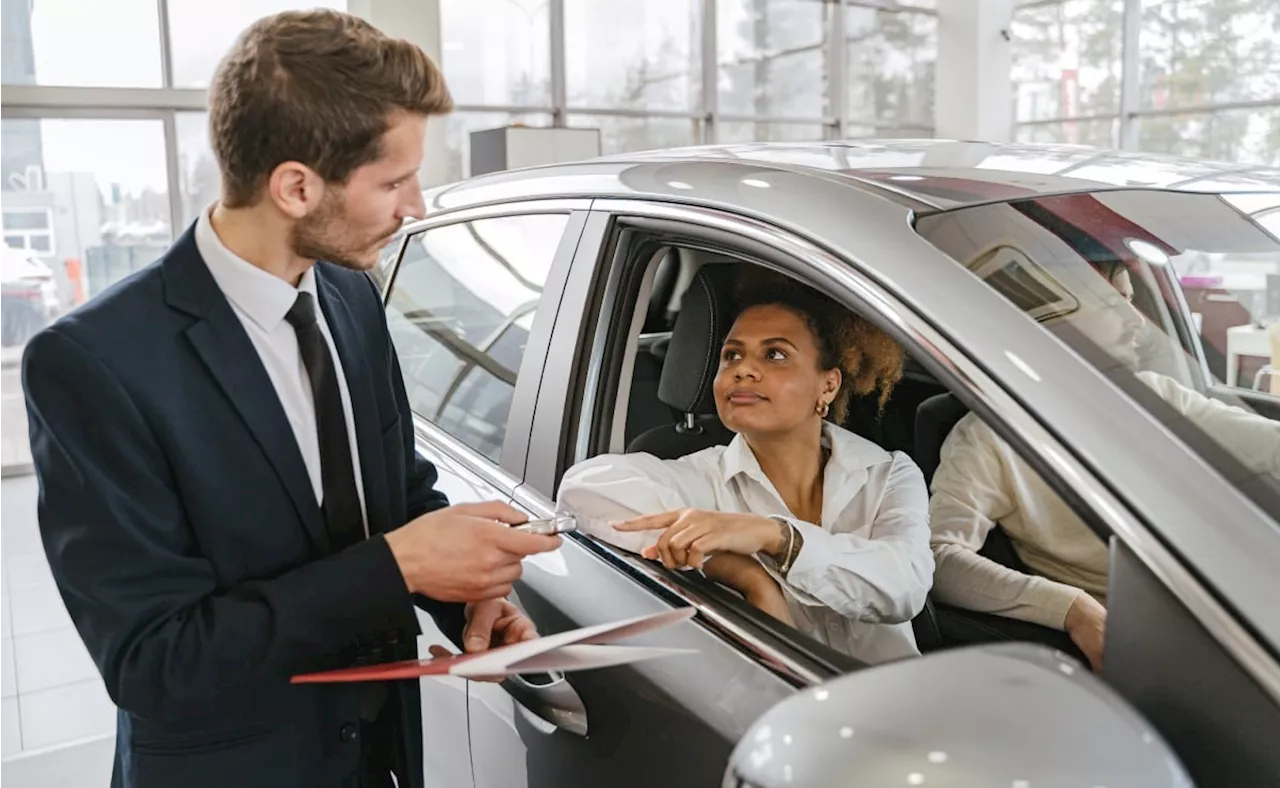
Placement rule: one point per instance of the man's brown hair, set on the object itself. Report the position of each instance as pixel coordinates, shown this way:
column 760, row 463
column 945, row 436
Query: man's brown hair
column 316, row 87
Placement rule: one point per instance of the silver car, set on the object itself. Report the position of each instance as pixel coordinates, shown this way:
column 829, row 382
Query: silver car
column 545, row 316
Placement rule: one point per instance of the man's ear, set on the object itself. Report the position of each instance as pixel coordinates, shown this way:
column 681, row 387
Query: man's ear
column 295, row 188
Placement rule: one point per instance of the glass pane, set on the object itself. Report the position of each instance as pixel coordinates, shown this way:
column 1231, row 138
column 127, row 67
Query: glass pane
column 729, row 131
column 100, row 189
column 625, row 135
column 497, row 51
column 1067, row 59
column 621, row 53
column 890, row 60
column 197, row 168
column 464, row 299
column 1198, row 52
column 201, row 32
column 1098, row 133
column 1103, row 271
column 771, row 59
column 64, row 42
column 457, row 128
column 35, row 219
column 1239, row 136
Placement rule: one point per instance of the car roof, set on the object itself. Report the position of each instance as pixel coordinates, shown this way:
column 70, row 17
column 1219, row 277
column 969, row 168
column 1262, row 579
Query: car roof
column 925, row 175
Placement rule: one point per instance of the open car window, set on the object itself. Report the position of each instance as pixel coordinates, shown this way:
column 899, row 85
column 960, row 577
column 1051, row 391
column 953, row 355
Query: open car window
column 1173, row 295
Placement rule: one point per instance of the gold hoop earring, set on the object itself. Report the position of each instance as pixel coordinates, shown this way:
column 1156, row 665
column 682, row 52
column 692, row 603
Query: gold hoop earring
column 823, row 409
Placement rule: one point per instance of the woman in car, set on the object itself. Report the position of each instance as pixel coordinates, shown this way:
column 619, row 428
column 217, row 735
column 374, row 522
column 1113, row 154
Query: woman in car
column 810, row 522
column 982, row 482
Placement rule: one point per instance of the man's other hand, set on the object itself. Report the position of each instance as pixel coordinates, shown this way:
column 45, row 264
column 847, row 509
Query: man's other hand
column 490, row 624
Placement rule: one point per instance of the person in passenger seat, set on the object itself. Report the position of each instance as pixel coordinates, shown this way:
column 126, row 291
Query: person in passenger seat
column 982, row 482
column 812, row 523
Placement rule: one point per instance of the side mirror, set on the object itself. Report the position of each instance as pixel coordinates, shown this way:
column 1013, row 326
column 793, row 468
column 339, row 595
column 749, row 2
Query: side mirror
column 1004, row 716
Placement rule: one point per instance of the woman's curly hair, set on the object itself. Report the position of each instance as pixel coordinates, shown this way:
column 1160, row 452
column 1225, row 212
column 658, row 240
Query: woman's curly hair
column 868, row 359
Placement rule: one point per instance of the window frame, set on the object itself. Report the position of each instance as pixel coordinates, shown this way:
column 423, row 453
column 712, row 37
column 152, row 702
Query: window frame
column 562, row 420
column 515, row 444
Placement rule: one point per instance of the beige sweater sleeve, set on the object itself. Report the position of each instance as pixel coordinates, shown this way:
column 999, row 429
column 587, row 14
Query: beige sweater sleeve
column 972, row 492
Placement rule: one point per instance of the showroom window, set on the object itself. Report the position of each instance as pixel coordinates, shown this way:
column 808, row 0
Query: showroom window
column 1197, row 78
column 461, row 306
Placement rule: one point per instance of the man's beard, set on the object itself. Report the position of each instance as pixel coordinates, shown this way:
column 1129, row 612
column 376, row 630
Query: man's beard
column 318, row 237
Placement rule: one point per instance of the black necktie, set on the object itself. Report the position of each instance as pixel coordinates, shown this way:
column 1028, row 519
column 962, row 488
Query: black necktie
column 341, row 503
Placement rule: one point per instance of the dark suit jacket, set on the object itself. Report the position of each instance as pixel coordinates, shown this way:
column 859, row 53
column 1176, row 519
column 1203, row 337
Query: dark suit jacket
column 185, row 538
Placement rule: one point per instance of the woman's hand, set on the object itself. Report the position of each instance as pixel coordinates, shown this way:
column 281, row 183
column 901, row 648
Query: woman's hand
column 690, row 535
column 746, row 576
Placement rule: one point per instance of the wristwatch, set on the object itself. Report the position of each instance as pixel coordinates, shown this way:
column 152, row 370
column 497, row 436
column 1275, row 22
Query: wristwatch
column 795, row 540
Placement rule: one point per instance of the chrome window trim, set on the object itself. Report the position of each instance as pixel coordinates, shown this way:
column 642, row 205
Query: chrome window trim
column 709, row 615
column 495, row 210
column 1202, row 605
column 523, row 207
column 435, row 438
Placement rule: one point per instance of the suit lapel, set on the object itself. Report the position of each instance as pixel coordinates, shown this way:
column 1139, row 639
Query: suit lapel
column 226, row 350
column 348, row 339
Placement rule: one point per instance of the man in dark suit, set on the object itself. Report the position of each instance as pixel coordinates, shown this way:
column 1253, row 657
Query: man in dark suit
column 229, row 492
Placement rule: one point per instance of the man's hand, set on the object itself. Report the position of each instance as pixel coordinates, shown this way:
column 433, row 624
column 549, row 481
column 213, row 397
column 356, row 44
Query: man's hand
column 490, row 624
column 1086, row 623
column 690, row 535
column 465, row 553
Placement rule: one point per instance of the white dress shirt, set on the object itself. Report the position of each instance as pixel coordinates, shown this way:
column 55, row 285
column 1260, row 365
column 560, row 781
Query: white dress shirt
column 261, row 301
column 981, row 481
column 860, row 577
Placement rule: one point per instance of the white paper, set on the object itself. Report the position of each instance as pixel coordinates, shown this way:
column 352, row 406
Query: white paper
column 579, row 649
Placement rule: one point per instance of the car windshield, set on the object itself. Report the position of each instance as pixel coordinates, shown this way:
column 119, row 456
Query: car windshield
column 1179, row 291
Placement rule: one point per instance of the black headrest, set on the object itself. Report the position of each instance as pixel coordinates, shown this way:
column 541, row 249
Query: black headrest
column 693, row 357
column 935, row 418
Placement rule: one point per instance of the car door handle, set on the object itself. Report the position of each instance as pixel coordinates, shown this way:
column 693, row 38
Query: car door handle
column 554, row 701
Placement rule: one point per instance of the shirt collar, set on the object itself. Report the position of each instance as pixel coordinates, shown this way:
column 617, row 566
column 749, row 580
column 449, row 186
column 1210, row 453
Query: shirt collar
column 849, row 453
column 265, row 298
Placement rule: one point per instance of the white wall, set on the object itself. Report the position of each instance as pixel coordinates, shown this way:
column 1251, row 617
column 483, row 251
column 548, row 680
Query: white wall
column 974, row 99
column 419, row 22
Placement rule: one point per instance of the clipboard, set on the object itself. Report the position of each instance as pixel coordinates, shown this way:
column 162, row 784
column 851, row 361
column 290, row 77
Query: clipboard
column 587, row 648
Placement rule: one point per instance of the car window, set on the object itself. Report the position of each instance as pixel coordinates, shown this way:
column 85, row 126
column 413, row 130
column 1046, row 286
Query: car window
column 463, row 300
column 381, row 272
column 1164, row 289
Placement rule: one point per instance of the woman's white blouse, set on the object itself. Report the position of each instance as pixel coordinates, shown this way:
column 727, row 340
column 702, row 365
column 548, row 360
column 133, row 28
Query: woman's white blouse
column 862, row 574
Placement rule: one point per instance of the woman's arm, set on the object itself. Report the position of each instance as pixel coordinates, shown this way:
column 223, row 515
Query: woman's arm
column 613, row 488
column 745, row 575
column 881, row 578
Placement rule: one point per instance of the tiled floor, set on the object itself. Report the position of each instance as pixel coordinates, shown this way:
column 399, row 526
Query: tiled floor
column 52, row 694
column 57, row 725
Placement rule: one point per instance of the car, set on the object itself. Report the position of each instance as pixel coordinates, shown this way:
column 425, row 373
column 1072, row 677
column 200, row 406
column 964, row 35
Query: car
column 30, row 295
column 548, row 315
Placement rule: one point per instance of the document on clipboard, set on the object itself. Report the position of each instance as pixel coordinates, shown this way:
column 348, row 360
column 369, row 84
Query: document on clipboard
column 579, row 649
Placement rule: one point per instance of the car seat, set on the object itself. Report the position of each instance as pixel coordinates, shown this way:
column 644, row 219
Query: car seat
column 689, row 368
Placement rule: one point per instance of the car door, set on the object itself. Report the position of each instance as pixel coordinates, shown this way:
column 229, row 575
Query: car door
column 673, row 720
column 466, row 312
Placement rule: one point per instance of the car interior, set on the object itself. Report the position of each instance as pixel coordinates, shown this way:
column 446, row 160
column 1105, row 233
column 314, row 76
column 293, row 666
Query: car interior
column 665, row 407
